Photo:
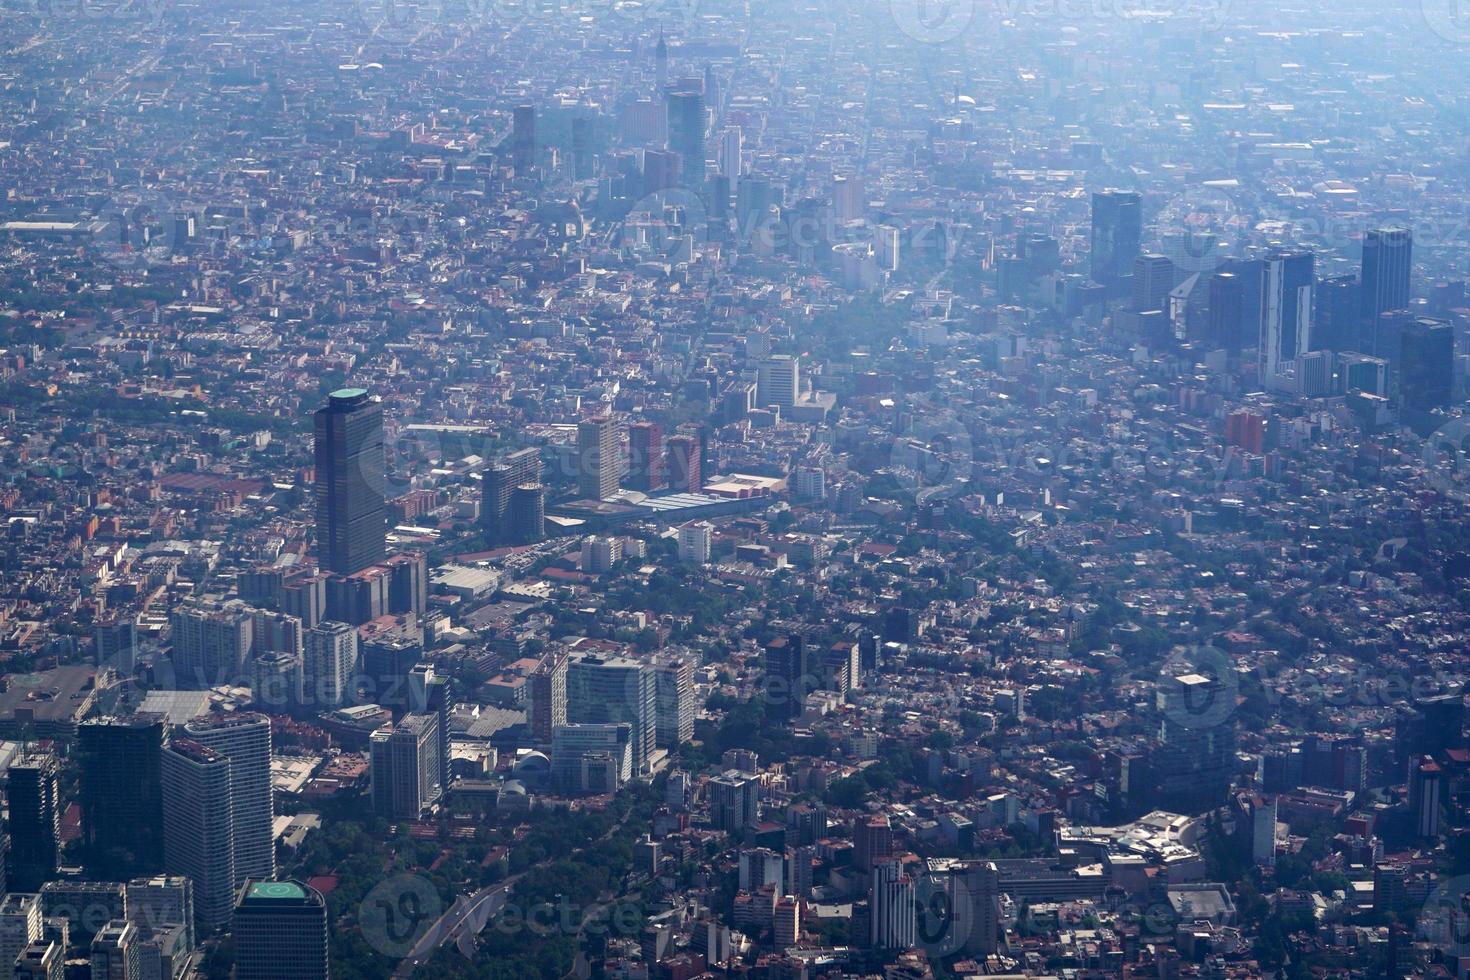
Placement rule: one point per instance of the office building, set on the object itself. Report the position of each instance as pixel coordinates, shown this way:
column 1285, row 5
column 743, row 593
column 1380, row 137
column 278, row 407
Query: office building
column 1153, row 278
column 20, row 924
column 849, row 199
column 605, row 743
column 892, row 919
column 280, row 932
column 734, row 799
column 408, row 583
column 597, row 458
column 403, row 766
column 523, row 147
column 330, row 661
column 675, row 707
column 1362, row 372
column 1339, row 315
column 85, row 905
column 212, row 642
column 351, row 518
column 305, row 597
column 199, row 827
column 1194, row 758
column 732, row 152
column 548, row 700
column 686, row 135
column 34, row 802
column 121, row 793
column 277, row 682
column 156, row 903
column 498, row 484
column 41, row 960
column 244, row 739
column 779, row 381
column 1426, row 365
column 1426, row 786
column 695, row 541
column 1388, row 265
column 1286, row 328
column 428, row 694
column 872, row 840
column 608, row 690
column 974, row 898
column 685, row 472
column 116, row 952
column 786, row 921
column 1117, row 231
column 528, row 514
column 787, row 681
column 645, row 456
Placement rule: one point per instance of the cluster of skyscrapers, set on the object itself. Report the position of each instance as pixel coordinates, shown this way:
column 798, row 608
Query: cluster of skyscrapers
column 1307, row 335
column 177, row 845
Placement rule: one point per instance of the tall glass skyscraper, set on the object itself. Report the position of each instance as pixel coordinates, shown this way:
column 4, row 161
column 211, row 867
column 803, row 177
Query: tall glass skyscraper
column 351, row 520
column 1117, row 230
column 1388, row 260
column 280, row 932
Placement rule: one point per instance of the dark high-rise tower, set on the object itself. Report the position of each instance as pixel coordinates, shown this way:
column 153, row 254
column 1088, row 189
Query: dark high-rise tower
column 787, row 681
column 498, row 485
column 1227, row 311
column 280, row 930
column 35, row 821
column 523, row 138
column 661, row 63
column 645, row 456
column 684, row 470
column 581, row 147
column 1117, row 230
column 121, row 793
column 528, row 514
column 351, row 520
column 1426, row 365
column 1388, row 260
column 1339, row 314
column 686, row 135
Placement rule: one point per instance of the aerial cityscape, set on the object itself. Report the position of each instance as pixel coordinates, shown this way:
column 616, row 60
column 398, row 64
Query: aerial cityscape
column 664, row 489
